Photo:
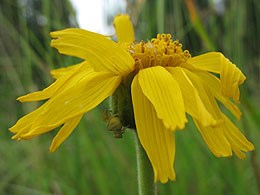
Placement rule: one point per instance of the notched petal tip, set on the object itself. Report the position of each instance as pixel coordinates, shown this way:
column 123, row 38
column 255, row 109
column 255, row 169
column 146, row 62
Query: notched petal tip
column 165, row 178
column 20, row 98
column 162, row 180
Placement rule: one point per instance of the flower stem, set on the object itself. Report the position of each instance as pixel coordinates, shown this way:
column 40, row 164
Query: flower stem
column 122, row 106
column 146, row 184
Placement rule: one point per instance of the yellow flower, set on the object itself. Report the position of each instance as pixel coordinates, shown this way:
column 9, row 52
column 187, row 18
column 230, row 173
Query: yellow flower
column 166, row 83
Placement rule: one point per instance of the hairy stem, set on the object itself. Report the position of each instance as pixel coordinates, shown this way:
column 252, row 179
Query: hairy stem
column 146, row 184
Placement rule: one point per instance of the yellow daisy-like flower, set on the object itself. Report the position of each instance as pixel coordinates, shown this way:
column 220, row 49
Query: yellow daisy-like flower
column 165, row 84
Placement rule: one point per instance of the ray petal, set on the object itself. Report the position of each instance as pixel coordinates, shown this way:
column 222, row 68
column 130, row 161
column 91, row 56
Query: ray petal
column 214, row 85
column 101, row 52
column 205, row 95
column 69, row 79
column 64, row 132
column 230, row 76
column 84, row 96
column 165, row 95
column 215, row 139
column 238, row 141
column 24, row 124
column 158, row 142
column 56, row 73
column 192, row 102
column 124, row 28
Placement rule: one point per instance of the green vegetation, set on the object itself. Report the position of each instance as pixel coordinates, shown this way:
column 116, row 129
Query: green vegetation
column 91, row 161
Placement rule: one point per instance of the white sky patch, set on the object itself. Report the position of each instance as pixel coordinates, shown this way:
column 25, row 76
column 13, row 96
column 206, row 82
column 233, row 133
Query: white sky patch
column 90, row 14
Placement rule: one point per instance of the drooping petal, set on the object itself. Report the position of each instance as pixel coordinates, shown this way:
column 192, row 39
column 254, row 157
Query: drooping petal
column 215, row 139
column 158, row 142
column 205, row 95
column 64, row 132
column 99, row 51
column 225, row 138
column 124, row 28
column 230, row 76
column 214, row 85
column 192, row 102
column 237, row 140
column 165, row 95
column 69, row 79
column 79, row 99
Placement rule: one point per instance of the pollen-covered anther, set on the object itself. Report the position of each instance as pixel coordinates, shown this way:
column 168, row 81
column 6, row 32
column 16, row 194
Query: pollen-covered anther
column 160, row 51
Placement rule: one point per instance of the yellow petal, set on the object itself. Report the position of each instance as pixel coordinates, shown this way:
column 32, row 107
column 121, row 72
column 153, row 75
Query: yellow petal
column 64, row 132
column 158, row 142
column 205, row 95
column 99, row 51
column 165, row 95
column 230, row 76
column 237, row 140
column 69, row 79
column 225, row 138
column 82, row 97
column 124, row 28
column 210, row 61
column 25, row 123
column 213, row 84
column 192, row 102
column 215, row 139
column 56, row 73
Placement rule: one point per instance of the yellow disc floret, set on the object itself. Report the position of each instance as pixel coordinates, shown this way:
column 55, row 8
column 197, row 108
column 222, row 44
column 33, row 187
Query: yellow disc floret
column 160, row 51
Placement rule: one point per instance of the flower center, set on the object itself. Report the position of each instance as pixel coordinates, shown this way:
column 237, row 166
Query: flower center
column 160, row 51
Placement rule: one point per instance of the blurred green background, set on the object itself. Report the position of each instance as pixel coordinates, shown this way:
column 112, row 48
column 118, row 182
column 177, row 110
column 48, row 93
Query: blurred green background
column 91, row 161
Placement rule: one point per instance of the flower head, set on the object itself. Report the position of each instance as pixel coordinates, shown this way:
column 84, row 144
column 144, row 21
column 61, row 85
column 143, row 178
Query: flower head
column 166, row 83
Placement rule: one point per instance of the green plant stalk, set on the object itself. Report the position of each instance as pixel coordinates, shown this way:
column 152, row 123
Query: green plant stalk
column 253, row 157
column 122, row 106
column 145, row 176
column 160, row 10
column 203, row 35
column 198, row 26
